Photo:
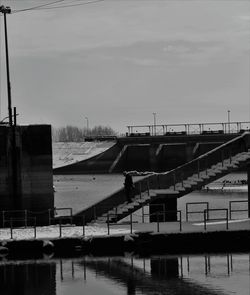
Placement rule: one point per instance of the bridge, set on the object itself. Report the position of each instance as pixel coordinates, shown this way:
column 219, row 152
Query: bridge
column 160, row 149
column 167, row 187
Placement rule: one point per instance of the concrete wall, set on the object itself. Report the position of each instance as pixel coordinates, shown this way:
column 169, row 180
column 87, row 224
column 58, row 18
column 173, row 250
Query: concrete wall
column 150, row 153
column 26, row 178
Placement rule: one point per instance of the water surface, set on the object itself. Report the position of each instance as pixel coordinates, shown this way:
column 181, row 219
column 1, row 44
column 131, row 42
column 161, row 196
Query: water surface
column 225, row 274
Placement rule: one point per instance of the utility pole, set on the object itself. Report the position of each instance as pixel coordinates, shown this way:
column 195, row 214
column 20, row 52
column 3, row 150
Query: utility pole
column 228, row 118
column 15, row 184
column 7, row 10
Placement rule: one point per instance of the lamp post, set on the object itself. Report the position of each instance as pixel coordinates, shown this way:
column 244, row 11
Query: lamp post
column 154, row 114
column 7, row 10
column 228, row 118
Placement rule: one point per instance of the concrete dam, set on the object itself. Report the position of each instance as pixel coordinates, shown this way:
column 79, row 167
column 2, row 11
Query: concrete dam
column 142, row 152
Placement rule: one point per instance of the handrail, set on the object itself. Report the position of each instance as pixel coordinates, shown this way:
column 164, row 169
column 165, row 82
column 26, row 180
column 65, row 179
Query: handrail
column 236, row 210
column 206, row 217
column 189, row 128
column 195, row 212
column 157, row 214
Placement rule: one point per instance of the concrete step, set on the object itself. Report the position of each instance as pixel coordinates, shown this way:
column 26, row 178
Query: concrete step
column 189, row 182
column 195, row 179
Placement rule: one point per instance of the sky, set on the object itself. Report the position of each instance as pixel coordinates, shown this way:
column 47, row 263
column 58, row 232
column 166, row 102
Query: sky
column 116, row 62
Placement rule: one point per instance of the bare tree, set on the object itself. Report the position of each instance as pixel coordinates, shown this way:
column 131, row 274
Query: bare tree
column 76, row 134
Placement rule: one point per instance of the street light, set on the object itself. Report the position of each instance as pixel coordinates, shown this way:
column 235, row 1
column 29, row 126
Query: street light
column 154, row 114
column 228, row 118
column 7, row 10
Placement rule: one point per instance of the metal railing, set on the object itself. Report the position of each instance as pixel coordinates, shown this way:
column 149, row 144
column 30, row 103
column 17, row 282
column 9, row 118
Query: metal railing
column 61, row 226
column 26, row 215
column 17, row 223
column 195, row 212
column 206, row 217
column 13, row 221
column 158, row 221
column 188, row 129
column 231, row 210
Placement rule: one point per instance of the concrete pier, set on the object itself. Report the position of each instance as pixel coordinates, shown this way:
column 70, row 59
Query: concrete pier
column 26, row 178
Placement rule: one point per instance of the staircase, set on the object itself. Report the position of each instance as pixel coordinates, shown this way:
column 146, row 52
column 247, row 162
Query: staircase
column 178, row 182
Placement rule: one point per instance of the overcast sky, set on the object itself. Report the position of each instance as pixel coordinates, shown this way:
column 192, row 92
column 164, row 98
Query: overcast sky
column 118, row 61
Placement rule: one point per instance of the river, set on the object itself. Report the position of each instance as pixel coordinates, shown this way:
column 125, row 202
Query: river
column 207, row 274
column 203, row 274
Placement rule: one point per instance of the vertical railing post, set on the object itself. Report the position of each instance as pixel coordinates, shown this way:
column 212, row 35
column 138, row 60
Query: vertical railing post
column 157, row 218
column 180, row 221
column 187, row 212
column 108, row 223
column 206, row 164
column 3, row 212
column 227, row 217
column 35, row 227
column 230, row 210
column 142, row 213
column 131, row 223
column 49, row 216
column 148, row 187
column 174, row 179
column 25, row 218
column 83, row 225
column 205, row 222
column 60, row 228
column 11, row 229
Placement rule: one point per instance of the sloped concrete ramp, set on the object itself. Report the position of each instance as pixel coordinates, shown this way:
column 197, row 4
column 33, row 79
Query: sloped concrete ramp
column 68, row 153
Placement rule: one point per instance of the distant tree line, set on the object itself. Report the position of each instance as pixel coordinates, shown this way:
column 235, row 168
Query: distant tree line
column 76, row 134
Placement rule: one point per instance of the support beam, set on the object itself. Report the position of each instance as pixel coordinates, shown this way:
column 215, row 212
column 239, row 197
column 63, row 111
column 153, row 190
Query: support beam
column 248, row 188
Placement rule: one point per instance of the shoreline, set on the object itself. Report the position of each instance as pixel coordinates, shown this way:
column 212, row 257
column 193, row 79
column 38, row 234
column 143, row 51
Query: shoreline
column 140, row 243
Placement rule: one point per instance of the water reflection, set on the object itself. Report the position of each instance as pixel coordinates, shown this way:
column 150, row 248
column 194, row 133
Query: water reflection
column 28, row 278
column 172, row 275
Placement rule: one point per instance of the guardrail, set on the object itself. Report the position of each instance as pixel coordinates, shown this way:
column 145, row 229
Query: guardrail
column 13, row 221
column 195, row 212
column 206, row 217
column 25, row 215
column 231, row 210
column 188, row 129
column 157, row 214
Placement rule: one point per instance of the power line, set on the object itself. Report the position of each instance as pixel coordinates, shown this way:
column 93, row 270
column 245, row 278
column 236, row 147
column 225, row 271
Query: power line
column 45, row 6
column 38, row 6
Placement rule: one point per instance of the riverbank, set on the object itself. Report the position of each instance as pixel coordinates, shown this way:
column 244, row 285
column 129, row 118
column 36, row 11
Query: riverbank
column 144, row 239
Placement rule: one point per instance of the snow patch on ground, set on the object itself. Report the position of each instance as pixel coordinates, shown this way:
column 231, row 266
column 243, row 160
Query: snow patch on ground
column 53, row 231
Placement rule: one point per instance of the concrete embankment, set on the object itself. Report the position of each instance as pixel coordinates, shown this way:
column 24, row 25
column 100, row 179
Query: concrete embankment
column 150, row 153
column 141, row 243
